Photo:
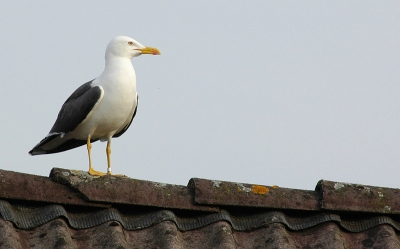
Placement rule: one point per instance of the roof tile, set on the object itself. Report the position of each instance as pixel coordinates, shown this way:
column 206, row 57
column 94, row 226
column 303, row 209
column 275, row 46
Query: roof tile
column 74, row 210
column 222, row 193
column 27, row 187
column 340, row 196
column 123, row 190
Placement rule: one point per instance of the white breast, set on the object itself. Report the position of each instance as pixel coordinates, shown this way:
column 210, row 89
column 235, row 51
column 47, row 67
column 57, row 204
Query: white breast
column 116, row 108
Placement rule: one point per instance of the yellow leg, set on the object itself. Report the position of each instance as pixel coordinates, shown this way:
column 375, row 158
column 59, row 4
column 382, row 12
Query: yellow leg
column 108, row 152
column 91, row 170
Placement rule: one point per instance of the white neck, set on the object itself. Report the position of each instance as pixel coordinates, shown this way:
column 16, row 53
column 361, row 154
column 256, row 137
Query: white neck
column 117, row 67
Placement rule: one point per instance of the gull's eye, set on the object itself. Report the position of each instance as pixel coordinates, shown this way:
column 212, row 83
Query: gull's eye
column 130, row 43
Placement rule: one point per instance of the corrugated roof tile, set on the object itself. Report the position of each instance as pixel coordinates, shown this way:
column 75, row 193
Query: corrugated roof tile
column 73, row 210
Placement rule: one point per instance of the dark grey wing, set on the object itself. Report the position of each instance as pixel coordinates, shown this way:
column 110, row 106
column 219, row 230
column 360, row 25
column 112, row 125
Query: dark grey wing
column 76, row 108
column 72, row 113
column 127, row 126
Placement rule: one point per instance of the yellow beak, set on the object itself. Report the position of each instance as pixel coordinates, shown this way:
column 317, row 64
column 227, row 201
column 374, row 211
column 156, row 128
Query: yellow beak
column 149, row 50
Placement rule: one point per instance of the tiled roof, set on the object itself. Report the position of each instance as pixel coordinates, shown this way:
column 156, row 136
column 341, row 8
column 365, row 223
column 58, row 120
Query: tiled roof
column 71, row 209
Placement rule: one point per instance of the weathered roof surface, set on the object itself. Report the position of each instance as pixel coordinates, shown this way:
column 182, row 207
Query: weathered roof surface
column 71, row 209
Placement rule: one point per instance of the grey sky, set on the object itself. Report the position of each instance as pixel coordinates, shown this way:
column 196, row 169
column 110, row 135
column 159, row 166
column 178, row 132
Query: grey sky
column 270, row 92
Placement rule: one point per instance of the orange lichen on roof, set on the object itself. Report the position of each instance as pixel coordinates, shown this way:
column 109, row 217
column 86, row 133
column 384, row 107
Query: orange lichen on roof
column 259, row 190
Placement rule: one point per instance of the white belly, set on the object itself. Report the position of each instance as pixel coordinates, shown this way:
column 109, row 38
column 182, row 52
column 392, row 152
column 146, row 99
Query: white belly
column 113, row 112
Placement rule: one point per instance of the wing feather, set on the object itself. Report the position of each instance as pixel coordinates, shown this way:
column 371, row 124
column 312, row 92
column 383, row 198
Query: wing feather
column 73, row 112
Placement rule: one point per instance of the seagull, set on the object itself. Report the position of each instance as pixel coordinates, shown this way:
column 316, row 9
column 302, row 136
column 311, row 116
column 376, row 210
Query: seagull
column 100, row 109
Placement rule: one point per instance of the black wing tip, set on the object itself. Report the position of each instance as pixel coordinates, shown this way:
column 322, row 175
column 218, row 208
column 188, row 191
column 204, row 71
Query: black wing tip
column 67, row 145
column 35, row 152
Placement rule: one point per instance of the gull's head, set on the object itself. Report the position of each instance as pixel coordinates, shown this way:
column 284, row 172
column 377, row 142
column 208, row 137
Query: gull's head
column 123, row 46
